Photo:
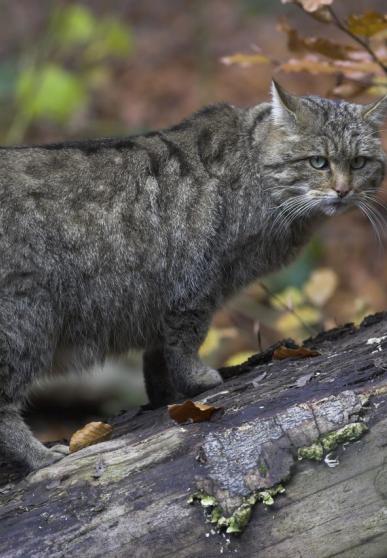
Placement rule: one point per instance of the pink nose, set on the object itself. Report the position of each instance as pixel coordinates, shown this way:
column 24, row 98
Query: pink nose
column 341, row 190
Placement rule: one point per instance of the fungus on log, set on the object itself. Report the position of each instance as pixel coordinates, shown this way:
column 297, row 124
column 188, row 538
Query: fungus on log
column 296, row 465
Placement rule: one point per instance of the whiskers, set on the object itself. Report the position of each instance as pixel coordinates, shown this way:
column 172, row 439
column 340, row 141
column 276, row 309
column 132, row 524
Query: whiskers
column 298, row 207
column 375, row 211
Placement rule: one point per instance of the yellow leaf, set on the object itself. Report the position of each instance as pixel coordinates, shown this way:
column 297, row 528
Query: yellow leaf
column 367, row 24
column 289, row 324
column 321, row 286
column 245, row 60
column 289, row 297
column 92, row 433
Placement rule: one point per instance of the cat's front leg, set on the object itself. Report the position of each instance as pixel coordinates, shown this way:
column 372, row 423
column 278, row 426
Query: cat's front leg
column 184, row 332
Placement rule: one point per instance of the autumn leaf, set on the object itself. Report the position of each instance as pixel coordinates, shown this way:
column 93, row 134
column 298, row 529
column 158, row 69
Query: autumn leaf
column 92, row 433
column 349, row 89
column 245, row 60
column 315, row 65
column 350, row 67
column 283, row 352
column 310, row 64
column 317, row 45
column 191, row 411
column 321, row 285
column 309, row 5
column 367, row 24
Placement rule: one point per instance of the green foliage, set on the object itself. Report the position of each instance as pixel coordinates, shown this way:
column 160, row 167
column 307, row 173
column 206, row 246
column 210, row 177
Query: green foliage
column 48, row 86
column 73, row 25
column 50, row 91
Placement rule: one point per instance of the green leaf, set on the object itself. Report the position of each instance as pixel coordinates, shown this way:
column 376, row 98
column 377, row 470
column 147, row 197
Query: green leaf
column 50, row 92
column 114, row 39
column 74, row 24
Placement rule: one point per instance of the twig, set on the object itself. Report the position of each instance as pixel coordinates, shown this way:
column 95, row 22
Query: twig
column 310, row 329
column 356, row 38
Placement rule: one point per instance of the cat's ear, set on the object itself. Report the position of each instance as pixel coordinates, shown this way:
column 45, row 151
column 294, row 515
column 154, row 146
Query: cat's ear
column 284, row 105
column 376, row 112
column 287, row 108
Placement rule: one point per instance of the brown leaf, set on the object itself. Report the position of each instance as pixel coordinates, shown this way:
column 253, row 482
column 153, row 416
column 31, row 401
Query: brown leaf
column 367, row 24
column 349, row 89
column 245, row 60
column 309, row 5
column 317, row 45
column 191, row 411
column 92, row 433
column 301, row 352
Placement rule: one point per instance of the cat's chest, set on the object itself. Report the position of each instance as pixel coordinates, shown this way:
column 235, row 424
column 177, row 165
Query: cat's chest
column 258, row 257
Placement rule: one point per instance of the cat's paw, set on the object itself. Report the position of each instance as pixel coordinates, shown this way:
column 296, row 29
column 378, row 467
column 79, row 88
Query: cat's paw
column 50, row 456
column 201, row 380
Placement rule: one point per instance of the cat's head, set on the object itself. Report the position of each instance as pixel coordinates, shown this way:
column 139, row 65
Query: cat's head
column 323, row 155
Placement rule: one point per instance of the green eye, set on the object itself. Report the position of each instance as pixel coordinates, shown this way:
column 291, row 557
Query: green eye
column 358, row 162
column 319, row 163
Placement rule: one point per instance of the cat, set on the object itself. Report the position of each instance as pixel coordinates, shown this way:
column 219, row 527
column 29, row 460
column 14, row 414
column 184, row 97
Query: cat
column 125, row 243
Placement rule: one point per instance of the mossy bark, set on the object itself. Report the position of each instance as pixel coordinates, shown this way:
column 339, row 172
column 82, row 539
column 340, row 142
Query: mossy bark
column 129, row 496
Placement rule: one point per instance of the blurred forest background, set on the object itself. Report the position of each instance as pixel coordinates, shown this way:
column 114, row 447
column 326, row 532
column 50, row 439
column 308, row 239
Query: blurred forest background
column 94, row 68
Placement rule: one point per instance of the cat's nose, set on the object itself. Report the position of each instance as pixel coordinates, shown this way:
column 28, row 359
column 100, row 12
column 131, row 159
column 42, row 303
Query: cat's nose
column 341, row 190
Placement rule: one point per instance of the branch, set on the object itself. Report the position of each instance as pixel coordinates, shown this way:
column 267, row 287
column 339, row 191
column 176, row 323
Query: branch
column 354, row 37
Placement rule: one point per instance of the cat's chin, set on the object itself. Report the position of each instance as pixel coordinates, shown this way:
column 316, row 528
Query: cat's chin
column 334, row 208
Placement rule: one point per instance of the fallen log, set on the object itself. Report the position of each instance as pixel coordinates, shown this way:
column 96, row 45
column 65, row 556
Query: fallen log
column 294, row 465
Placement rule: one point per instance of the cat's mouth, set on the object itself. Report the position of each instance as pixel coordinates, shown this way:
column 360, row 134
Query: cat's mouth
column 334, row 206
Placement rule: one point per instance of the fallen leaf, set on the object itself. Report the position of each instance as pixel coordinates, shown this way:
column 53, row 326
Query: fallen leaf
column 303, row 380
column 191, row 411
column 245, row 60
column 367, row 24
column 301, row 352
column 92, row 433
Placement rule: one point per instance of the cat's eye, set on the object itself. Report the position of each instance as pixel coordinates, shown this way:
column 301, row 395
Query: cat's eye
column 319, row 163
column 358, row 162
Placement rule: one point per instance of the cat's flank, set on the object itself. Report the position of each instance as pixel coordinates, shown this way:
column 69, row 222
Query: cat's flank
column 117, row 243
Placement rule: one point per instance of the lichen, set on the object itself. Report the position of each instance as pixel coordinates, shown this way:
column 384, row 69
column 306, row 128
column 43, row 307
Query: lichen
column 235, row 523
column 330, row 441
column 314, row 451
column 348, row 433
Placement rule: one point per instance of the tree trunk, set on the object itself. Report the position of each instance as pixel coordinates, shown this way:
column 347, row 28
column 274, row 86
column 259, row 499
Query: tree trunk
column 128, row 496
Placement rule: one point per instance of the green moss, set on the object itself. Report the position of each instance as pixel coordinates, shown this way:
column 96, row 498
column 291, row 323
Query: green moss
column 348, row 433
column 330, row 441
column 235, row 523
column 239, row 519
column 314, row 451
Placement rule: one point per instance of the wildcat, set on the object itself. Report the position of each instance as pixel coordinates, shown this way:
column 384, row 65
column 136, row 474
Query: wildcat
column 116, row 243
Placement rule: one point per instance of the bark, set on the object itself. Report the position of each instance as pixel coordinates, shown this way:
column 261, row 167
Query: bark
column 128, row 496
